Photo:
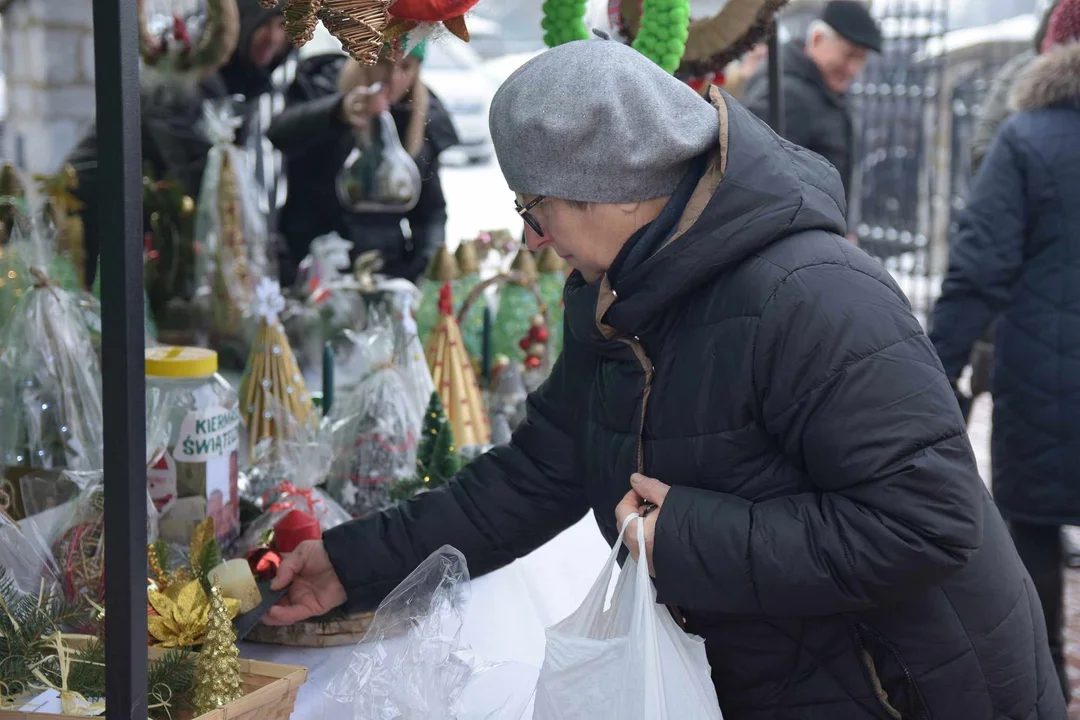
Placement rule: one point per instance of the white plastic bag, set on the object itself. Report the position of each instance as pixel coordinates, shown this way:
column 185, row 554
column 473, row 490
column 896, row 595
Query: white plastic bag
column 628, row 662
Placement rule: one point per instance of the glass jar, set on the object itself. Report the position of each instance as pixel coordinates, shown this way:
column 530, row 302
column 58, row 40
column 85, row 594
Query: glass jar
column 198, row 474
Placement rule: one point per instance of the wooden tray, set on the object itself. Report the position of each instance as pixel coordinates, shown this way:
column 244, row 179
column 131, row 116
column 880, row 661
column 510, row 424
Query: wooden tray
column 332, row 633
column 270, row 693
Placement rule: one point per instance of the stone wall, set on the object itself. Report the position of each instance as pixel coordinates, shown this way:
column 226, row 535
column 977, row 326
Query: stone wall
column 48, row 48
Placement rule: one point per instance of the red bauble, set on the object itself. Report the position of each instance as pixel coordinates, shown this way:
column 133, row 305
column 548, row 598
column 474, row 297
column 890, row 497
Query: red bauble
column 541, row 334
column 525, row 343
column 293, row 529
column 430, row 10
column 264, row 563
column 532, row 362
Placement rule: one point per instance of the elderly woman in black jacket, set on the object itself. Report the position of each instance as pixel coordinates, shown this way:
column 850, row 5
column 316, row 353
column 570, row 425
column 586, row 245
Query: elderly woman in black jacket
column 328, row 101
column 759, row 389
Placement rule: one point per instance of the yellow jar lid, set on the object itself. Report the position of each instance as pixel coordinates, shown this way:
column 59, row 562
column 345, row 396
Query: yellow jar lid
column 180, row 362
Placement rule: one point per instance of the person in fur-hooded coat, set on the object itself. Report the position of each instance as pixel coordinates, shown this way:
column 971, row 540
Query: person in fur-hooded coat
column 1017, row 258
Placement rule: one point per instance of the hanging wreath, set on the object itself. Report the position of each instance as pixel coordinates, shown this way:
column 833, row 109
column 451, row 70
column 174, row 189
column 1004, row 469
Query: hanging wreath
column 175, row 52
column 712, row 43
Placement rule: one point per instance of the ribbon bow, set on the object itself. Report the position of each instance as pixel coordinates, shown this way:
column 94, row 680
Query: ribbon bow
column 71, row 702
column 288, row 490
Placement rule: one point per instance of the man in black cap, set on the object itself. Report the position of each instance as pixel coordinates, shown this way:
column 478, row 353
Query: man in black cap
column 817, row 72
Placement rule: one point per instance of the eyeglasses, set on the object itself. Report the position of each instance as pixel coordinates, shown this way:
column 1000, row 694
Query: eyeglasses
column 527, row 216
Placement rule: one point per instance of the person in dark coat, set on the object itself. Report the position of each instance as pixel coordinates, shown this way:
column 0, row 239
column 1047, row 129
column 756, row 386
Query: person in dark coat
column 173, row 145
column 816, row 78
column 732, row 360
column 994, row 110
column 1014, row 259
column 315, row 133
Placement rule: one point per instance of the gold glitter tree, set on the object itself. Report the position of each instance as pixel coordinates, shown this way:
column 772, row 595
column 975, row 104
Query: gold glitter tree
column 272, row 384
column 217, row 671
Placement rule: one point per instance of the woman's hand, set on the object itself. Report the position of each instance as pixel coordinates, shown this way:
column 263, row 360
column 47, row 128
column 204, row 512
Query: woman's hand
column 314, row 587
column 361, row 104
column 645, row 491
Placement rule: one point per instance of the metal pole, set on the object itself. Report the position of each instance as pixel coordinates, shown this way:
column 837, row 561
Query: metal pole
column 119, row 181
column 776, row 72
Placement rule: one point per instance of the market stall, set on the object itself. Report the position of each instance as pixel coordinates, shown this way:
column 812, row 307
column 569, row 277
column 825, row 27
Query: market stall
column 243, row 418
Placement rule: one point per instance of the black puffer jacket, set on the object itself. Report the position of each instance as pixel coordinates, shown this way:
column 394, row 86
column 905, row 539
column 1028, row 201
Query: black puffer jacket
column 814, row 116
column 827, row 532
column 316, row 142
column 173, row 144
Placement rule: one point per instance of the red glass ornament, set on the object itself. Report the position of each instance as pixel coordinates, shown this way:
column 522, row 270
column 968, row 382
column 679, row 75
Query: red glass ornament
column 541, row 335
column 430, row 10
column 293, row 529
column 532, row 362
column 525, row 343
column 264, row 563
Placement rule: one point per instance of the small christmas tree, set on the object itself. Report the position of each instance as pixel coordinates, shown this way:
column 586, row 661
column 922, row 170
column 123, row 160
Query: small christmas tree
column 437, row 459
column 454, row 377
column 272, row 383
column 217, row 671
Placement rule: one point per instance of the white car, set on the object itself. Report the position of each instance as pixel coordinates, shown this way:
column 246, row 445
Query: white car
column 455, row 73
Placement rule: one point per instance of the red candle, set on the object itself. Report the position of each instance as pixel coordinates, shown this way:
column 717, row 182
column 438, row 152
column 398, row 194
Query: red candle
column 293, row 529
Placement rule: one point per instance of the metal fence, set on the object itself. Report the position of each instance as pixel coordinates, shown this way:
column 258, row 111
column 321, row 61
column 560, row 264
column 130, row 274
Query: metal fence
column 915, row 108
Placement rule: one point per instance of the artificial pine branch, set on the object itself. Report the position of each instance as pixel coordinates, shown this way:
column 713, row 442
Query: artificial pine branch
column 170, row 679
column 27, row 622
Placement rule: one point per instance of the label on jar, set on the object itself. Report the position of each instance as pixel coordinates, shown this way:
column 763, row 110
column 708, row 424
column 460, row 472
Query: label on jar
column 208, row 434
column 206, row 453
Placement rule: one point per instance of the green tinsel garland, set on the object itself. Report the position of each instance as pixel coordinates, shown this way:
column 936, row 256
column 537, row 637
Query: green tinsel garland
column 564, row 21
column 665, row 26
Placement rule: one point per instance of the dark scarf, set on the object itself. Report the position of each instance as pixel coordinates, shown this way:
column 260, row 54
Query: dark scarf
column 648, row 240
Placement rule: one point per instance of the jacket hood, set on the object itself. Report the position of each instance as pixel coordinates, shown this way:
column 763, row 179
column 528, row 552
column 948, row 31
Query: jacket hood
column 757, row 189
column 240, row 75
column 1051, row 80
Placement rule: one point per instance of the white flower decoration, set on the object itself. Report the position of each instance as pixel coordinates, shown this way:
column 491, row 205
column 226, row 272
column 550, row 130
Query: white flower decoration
column 269, row 302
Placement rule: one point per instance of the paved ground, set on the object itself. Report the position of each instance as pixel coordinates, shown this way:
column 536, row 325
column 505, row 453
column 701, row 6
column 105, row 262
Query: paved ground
column 979, row 432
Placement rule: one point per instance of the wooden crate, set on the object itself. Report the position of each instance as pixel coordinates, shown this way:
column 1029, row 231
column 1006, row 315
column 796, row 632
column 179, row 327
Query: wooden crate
column 270, row 693
column 332, row 633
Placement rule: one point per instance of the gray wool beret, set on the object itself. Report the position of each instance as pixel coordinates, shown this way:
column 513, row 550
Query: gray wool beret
column 597, row 121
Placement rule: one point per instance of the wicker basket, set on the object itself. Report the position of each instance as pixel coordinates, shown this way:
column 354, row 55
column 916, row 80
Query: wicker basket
column 269, row 692
column 333, row 633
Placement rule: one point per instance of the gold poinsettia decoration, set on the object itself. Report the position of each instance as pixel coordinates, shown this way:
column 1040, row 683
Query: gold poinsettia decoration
column 182, row 614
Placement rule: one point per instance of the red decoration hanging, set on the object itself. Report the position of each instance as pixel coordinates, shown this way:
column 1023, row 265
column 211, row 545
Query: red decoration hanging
column 431, row 11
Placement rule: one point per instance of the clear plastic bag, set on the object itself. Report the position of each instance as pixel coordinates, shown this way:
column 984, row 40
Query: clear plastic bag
column 25, row 555
column 293, row 474
column 50, row 379
column 374, row 429
column 410, row 357
column 379, row 176
column 230, row 232
column 413, row 665
column 75, row 512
